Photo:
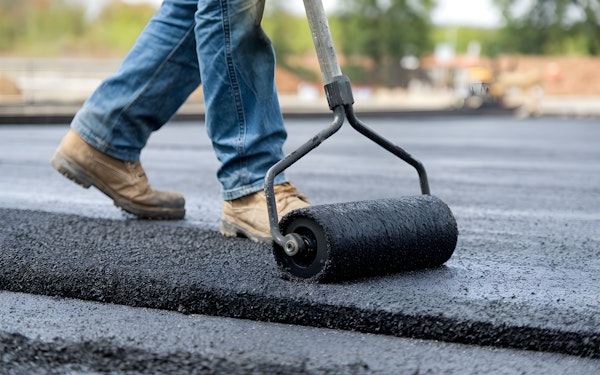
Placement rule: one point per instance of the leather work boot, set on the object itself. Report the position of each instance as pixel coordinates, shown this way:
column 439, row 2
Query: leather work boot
column 125, row 182
column 247, row 216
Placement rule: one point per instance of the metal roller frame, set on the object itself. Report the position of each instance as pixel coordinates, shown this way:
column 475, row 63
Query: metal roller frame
column 340, row 99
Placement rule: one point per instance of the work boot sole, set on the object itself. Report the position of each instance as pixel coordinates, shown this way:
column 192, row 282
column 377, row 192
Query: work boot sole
column 230, row 229
column 78, row 175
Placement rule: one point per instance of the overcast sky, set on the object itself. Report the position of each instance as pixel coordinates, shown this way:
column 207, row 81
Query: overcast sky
column 449, row 12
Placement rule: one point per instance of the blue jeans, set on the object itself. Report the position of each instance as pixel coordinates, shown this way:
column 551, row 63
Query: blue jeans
column 218, row 43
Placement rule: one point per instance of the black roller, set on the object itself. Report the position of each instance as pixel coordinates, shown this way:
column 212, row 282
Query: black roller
column 367, row 238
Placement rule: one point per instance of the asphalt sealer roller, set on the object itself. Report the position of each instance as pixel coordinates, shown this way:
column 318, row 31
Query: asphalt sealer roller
column 334, row 242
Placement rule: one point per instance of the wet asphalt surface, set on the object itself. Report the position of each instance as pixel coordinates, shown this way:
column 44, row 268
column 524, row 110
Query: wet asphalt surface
column 521, row 294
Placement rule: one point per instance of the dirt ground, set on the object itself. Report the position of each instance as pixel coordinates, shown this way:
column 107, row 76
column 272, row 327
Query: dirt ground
column 561, row 75
column 558, row 75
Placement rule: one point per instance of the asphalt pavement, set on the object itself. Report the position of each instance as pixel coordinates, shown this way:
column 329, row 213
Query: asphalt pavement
column 521, row 294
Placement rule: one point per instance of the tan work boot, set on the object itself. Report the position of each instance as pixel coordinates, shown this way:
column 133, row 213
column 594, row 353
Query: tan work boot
column 247, row 216
column 123, row 181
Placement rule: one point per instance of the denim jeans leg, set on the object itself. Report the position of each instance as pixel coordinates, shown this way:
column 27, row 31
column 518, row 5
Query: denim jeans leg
column 243, row 117
column 154, row 79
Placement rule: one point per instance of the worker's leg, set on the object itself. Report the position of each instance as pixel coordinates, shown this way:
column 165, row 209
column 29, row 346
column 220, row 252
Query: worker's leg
column 243, row 117
column 107, row 134
column 154, row 79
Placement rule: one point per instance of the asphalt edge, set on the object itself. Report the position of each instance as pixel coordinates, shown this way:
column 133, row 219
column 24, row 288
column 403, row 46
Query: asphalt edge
column 147, row 290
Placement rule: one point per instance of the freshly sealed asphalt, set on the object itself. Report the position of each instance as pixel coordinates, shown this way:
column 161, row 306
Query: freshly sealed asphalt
column 522, row 286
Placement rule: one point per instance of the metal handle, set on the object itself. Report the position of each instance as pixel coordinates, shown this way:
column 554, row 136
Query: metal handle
column 293, row 244
column 321, row 35
column 339, row 96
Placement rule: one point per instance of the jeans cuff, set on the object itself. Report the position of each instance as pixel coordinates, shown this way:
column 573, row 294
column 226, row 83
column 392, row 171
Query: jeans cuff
column 238, row 192
column 98, row 143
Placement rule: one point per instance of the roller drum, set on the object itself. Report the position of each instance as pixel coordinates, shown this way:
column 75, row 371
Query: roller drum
column 356, row 239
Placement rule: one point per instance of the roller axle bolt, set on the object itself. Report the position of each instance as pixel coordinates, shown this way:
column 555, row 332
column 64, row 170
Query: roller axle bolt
column 293, row 244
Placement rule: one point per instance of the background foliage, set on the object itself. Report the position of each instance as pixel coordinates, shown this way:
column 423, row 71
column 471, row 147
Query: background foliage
column 551, row 27
column 371, row 35
column 61, row 27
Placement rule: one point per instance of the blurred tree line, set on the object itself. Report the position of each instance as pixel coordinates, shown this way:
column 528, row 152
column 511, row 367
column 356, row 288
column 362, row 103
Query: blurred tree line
column 63, row 27
column 549, row 27
column 372, row 35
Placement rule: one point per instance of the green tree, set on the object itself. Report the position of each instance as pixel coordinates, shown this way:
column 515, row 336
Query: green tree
column 384, row 31
column 118, row 26
column 461, row 36
column 60, row 27
column 39, row 27
column 551, row 27
column 288, row 32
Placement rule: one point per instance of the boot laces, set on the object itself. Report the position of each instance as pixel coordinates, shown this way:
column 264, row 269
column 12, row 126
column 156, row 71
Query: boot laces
column 137, row 169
